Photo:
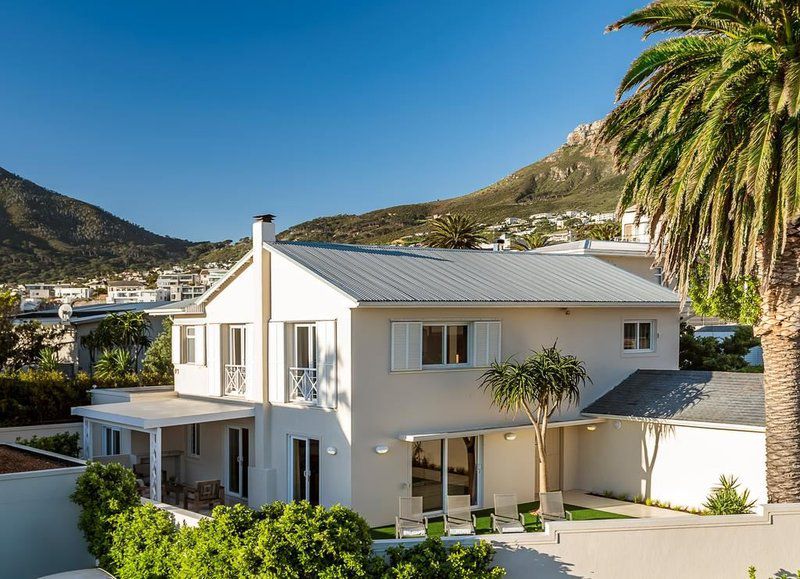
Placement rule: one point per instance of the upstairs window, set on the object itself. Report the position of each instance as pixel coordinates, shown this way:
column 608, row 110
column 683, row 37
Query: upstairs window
column 638, row 336
column 305, row 345
column 189, row 348
column 445, row 344
column 658, row 275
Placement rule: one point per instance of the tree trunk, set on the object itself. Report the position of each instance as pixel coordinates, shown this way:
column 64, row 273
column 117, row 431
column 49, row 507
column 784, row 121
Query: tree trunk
column 542, row 456
column 779, row 329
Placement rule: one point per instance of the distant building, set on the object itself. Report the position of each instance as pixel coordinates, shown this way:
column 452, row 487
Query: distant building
column 134, row 292
column 39, row 291
column 601, row 217
column 185, row 292
column 633, row 228
column 513, row 221
column 210, row 276
column 71, row 293
column 170, row 279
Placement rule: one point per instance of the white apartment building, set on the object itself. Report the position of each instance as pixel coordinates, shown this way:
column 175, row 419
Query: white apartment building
column 350, row 374
column 134, row 292
column 39, row 291
column 71, row 293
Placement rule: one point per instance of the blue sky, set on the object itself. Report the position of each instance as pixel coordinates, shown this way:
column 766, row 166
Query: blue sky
column 190, row 117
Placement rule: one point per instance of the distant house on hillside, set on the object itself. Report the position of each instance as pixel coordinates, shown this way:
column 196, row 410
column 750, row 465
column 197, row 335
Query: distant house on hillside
column 134, row 292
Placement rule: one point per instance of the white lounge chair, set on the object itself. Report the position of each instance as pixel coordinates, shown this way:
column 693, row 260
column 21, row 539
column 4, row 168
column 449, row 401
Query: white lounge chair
column 506, row 517
column 410, row 523
column 551, row 507
column 458, row 517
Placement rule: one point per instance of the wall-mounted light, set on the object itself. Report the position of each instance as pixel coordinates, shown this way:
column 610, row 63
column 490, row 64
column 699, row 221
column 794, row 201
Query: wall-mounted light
column 381, row 449
column 617, row 425
column 591, row 427
column 331, row 450
column 510, row 436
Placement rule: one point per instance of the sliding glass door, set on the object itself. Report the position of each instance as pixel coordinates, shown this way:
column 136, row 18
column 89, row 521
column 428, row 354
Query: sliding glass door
column 445, row 467
column 238, row 460
column 304, row 475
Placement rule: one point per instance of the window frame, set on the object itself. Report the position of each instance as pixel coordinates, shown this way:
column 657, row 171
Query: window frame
column 658, row 274
column 232, row 329
column 653, row 337
column 186, row 341
column 193, row 448
column 311, row 343
column 116, row 440
column 444, row 364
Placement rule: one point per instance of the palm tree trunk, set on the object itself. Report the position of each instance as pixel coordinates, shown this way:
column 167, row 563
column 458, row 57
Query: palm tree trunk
column 779, row 329
column 542, row 457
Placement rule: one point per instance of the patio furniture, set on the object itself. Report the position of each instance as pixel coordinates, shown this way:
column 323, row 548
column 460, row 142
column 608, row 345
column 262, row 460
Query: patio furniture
column 410, row 522
column 458, row 517
column 205, row 494
column 506, row 517
column 551, row 507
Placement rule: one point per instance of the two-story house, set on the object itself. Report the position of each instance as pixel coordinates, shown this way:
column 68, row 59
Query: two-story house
column 350, row 374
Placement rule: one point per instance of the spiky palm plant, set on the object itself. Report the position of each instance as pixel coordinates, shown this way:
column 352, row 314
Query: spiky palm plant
column 606, row 231
column 709, row 128
column 530, row 241
column 47, row 360
column 455, row 232
column 114, row 365
column 538, row 386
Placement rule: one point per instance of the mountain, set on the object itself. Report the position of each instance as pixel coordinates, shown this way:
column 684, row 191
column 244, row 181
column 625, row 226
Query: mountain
column 579, row 175
column 45, row 236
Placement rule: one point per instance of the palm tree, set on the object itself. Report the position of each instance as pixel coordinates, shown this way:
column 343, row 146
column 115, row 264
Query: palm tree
column 606, row 231
column 709, row 129
column 530, row 241
column 539, row 385
column 455, row 232
column 114, row 365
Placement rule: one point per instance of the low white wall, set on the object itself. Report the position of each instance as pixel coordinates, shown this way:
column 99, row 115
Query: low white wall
column 664, row 548
column 679, row 464
column 11, row 433
column 39, row 524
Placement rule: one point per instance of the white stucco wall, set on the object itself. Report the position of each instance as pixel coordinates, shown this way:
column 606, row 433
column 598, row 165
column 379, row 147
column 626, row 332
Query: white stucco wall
column 678, row 464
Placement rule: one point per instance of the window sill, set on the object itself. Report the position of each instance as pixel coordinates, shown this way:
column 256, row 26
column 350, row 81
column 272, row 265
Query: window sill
column 438, row 369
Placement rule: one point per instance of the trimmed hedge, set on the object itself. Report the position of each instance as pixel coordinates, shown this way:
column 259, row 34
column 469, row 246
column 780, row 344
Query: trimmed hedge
column 66, row 443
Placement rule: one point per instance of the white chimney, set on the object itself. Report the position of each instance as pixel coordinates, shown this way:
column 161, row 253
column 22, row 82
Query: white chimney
column 263, row 229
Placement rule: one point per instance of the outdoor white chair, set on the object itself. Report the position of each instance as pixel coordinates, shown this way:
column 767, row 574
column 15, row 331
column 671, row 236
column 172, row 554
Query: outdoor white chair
column 506, row 517
column 410, row 523
column 551, row 507
column 458, row 517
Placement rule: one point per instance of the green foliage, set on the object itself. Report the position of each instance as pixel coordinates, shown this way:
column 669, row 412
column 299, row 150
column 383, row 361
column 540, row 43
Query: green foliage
column 432, row 560
column 708, row 353
column 751, row 574
column 158, row 358
column 21, row 344
column 725, row 499
column 114, row 365
column 103, row 491
column 48, row 360
column 142, row 543
column 455, row 232
column 37, row 397
column 66, row 443
column 735, row 300
column 605, row 231
column 530, row 241
column 126, row 331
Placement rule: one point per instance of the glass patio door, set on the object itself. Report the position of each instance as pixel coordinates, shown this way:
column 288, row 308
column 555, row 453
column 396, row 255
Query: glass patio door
column 445, row 467
column 304, row 475
column 238, row 460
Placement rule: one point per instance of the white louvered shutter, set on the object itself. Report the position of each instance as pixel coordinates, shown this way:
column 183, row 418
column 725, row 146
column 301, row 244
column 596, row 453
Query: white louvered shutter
column 486, row 342
column 214, row 359
column 200, row 345
column 406, row 346
column 276, row 349
column 177, row 332
column 326, row 363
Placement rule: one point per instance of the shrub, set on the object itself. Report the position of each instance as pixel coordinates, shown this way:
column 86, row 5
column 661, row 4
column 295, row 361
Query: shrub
column 432, row 560
column 37, row 397
column 141, row 544
column 103, row 491
column 114, row 365
column 158, row 357
column 725, row 499
column 66, row 443
column 47, row 360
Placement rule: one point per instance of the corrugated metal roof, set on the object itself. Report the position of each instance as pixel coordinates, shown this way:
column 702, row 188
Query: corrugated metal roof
column 387, row 274
column 694, row 396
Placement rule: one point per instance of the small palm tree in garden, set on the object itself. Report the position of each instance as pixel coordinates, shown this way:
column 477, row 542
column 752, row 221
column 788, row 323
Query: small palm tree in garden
column 544, row 382
column 530, row 241
column 47, row 360
column 709, row 130
column 114, row 365
column 455, row 232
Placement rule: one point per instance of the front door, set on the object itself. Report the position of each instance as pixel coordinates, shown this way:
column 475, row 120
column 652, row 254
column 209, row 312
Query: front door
column 304, row 474
column 238, row 460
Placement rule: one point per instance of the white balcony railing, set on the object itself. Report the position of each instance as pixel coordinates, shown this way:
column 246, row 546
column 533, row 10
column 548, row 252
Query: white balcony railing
column 235, row 380
column 303, row 385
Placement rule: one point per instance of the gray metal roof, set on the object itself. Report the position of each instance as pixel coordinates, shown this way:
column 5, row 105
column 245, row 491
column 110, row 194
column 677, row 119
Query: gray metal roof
column 694, row 396
column 387, row 274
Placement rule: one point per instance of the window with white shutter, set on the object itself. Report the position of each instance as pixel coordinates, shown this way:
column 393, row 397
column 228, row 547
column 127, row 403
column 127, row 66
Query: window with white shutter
column 406, row 346
column 486, row 342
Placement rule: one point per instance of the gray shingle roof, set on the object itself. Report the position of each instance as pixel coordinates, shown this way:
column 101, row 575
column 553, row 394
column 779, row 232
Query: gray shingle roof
column 715, row 397
column 380, row 274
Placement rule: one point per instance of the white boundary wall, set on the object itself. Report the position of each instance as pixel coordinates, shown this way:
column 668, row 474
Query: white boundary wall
column 669, row 548
column 11, row 433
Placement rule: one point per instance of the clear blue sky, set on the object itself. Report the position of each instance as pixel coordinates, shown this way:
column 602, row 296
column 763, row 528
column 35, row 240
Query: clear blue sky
column 190, row 117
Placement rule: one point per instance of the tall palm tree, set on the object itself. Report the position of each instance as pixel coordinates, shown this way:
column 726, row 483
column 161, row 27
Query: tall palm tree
column 606, row 231
column 455, row 232
column 539, row 385
column 530, row 241
column 709, row 127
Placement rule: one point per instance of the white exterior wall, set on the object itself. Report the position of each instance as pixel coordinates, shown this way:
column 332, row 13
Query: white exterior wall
column 386, row 404
column 678, row 464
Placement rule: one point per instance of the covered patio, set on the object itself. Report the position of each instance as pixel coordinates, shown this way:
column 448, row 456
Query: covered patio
column 168, row 430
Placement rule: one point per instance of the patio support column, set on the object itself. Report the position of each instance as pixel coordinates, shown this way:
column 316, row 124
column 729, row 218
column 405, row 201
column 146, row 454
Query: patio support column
column 87, row 439
column 155, row 464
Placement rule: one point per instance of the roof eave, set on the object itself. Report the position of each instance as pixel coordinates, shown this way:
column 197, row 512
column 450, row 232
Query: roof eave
column 678, row 422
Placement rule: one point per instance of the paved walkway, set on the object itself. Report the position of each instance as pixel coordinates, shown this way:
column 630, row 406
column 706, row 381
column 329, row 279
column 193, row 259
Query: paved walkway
column 638, row 511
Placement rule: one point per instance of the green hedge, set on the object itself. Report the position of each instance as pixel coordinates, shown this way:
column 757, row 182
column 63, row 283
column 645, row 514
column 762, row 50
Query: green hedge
column 66, row 443
column 292, row 541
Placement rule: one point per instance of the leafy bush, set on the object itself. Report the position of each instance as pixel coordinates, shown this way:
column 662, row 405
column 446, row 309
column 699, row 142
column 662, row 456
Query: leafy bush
column 37, row 397
column 432, row 560
column 66, row 443
column 47, row 360
column 142, row 543
column 114, row 365
column 103, row 491
column 725, row 499
column 158, row 357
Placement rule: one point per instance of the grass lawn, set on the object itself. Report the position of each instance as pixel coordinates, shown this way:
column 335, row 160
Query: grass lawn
column 532, row 524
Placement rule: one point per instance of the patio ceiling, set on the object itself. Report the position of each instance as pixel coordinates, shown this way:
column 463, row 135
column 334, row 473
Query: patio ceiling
column 419, row 436
column 162, row 412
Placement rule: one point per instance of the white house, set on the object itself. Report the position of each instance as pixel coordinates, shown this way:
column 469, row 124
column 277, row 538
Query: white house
column 72, row 293
column 350, row 374
column 134, row 292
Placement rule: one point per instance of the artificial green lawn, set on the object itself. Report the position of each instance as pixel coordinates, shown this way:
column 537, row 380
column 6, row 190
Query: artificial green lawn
column 484, row 526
